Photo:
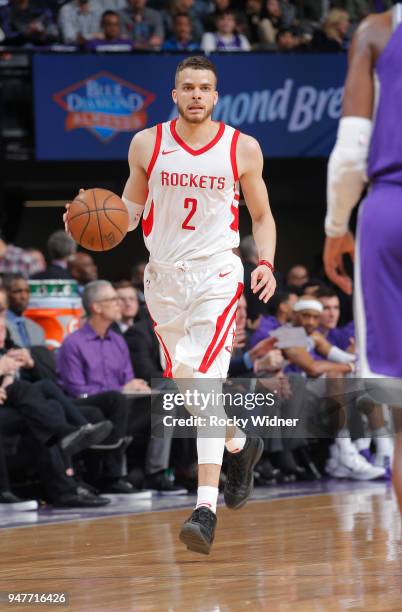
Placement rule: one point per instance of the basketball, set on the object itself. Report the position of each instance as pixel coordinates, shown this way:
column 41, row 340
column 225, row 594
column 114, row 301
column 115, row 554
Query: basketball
column 98, row 219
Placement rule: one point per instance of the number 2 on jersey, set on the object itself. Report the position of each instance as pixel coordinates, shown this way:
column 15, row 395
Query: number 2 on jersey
column 189, row 202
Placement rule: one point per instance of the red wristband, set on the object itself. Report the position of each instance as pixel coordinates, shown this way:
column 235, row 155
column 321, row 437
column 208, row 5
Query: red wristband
column 264, row 262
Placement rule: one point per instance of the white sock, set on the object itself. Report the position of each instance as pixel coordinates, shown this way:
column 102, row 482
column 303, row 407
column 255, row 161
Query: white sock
column 362, row 443
column 383, row 443
column 236, row 444
column 345, row 445
column 207, row 496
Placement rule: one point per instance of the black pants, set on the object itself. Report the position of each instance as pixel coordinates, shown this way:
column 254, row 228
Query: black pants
column 111, row 405
column 52, row 391
column 4, row 482
column 48, row 460
column 45, row 418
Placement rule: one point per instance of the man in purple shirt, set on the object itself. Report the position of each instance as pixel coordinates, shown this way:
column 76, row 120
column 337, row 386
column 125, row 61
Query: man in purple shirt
column 94, row 364
column 280, row 308
column 342, row 337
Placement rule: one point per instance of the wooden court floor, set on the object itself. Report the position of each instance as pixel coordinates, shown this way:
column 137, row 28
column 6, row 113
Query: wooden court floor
column 319, row 553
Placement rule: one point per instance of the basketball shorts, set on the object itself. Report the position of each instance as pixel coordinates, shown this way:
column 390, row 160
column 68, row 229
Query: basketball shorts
column 378, row 282
column 193, row 306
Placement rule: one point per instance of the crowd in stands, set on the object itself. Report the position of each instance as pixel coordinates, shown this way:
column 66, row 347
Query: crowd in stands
column 68, row 414
column 185, row 25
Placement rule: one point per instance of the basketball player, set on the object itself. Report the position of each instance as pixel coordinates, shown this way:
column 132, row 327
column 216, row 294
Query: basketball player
column 185, row 178
column 370, row 140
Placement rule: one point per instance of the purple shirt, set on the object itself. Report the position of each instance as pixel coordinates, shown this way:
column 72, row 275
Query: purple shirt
column 89, row 364
column 266, row 325
column 340, row 336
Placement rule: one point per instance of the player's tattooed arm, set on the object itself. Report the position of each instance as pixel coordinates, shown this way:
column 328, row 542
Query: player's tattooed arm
column 250, row 164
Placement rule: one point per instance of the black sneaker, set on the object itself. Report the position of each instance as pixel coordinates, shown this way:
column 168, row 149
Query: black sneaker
column 83, row 499
column 85, row 436
column 198, row 531
column 162, row 484
column 123, row 487
column 240, row 473
column 9, row 501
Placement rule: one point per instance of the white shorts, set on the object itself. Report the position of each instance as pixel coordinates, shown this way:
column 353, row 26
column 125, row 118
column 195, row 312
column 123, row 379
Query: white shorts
column 193, row 306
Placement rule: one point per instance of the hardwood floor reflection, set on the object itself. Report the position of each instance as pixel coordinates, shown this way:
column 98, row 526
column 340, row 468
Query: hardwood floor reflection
column 316, row 554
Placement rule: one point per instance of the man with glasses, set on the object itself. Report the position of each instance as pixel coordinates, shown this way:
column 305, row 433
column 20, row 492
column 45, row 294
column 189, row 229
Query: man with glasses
column 93, row 365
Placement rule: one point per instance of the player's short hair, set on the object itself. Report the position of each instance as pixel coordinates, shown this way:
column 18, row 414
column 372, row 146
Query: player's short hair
column 196, row 62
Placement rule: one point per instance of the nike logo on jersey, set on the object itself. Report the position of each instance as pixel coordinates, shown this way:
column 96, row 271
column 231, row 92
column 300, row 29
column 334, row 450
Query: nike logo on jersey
column 167, row 152
column 222, row 275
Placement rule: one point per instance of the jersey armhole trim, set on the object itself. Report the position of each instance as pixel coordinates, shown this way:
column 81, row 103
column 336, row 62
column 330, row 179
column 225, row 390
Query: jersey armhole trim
column 233, row 160
column 156, row 150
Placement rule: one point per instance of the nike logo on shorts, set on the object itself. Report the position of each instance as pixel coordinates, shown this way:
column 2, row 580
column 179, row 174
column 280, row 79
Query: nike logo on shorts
column 225, row 274
column 167, row 152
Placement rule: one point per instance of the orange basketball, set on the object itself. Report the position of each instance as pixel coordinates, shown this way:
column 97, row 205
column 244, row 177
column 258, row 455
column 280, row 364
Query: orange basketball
column 97, row 219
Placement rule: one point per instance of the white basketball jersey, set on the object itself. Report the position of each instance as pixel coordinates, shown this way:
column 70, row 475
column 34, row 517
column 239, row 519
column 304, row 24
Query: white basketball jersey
column 192, row 207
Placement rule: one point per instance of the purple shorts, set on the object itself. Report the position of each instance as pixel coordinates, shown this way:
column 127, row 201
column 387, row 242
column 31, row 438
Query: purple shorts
column 378, row 282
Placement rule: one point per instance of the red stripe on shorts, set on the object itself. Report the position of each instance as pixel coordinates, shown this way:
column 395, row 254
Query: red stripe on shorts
column 215, row 347
column 168, row 370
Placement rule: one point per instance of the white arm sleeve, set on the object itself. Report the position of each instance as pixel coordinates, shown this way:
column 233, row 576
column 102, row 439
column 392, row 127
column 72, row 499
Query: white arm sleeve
column 134, row 213
column 346, row 175
column 339, row 356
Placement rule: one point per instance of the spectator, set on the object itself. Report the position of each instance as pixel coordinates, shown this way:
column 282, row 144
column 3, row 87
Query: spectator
column 280, row 309
column 182, row 39
column 286, row 40
column 23, row 331
column 297, row 276
column 271, row 22
column 24, row 23
column 24, row 403
column 60, row 247
column 142, row 25
column 288, row 13
column 225, row 38
column 83, row 269
column 217, row 7
column 180, row 7
column 38, row 257
column 332, row 37
column 249, row 22
column 95, row 359
column 79, row 21
column 342, row 337
column 262, row 356
column 93, row 364
column 110, row 37
column 13, row 259
column 129, row 304
column 311, row 360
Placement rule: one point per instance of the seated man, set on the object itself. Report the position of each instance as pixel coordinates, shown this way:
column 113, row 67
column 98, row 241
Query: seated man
column 83, row 269
column 280, row 312
column 320, row 359
column 23, row 331
column 24, row 407
column 93, row 365
column 8, row 500
column 60, row 247
column 344, row 338
column 129, row 305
